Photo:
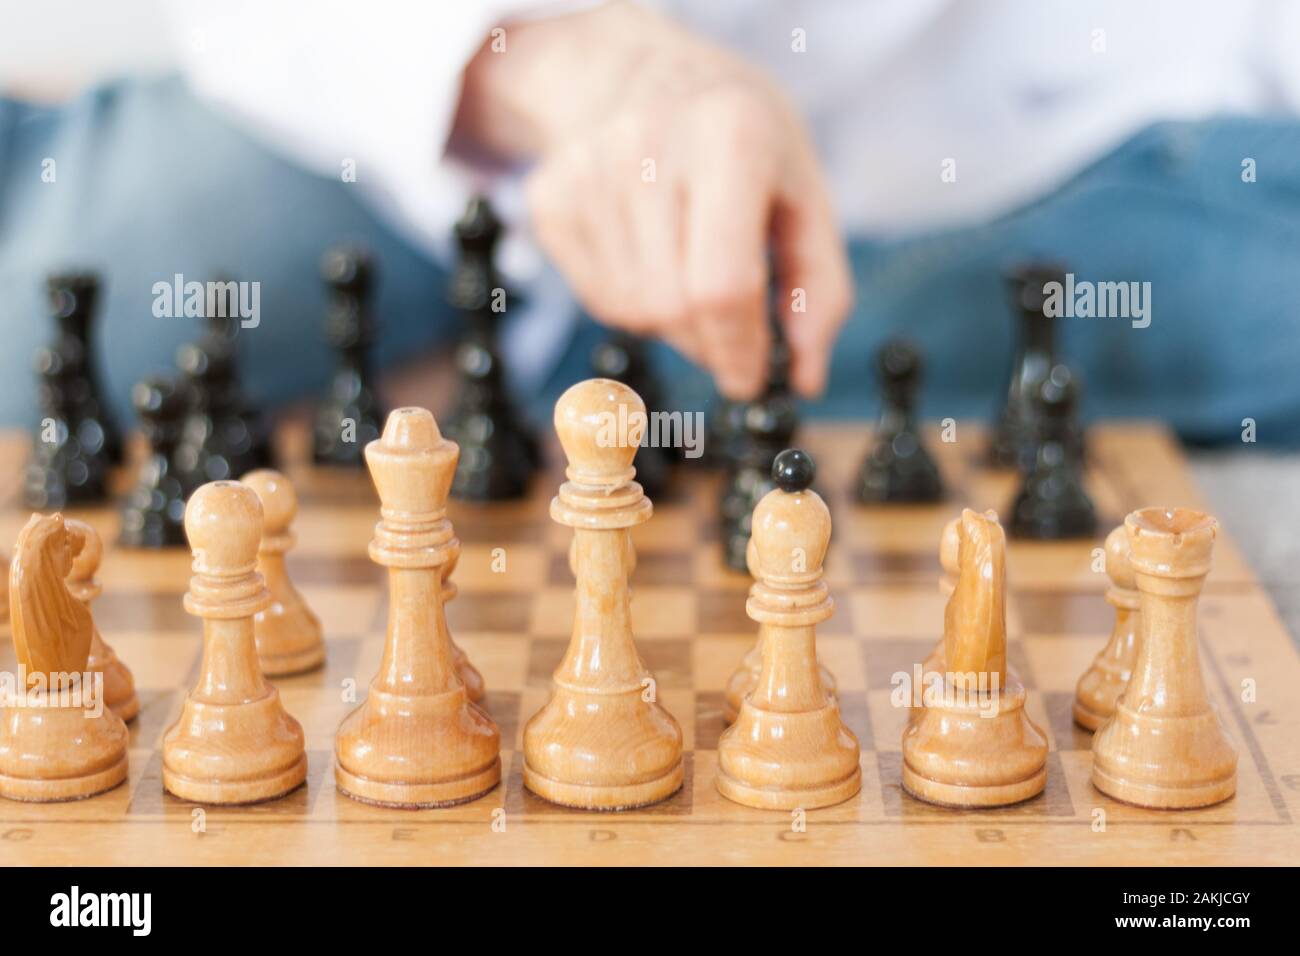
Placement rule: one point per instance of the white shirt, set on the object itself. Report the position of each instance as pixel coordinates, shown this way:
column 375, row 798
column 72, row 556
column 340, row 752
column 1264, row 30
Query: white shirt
column 1008, row 97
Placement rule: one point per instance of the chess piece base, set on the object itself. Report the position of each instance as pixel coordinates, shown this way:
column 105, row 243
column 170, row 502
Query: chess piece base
column 119, row 689
column 219, row 753
column 602, row 751
column 1160, row 797
column 31, row 790
column 784, row 760
column 417, row 796
column 1132, row 751
column 468, row 674
column 119, row 686
column 1087, row 718
column 299, row 662
column 956, row 795
column 1098, row 693
column 93, row 761
column 975, row 749
column 414, row 752
column 127, row 709
column 236, row 792
column 805, row 798
column 605, row 796
column 894, row 482
column 1068, row 516
column 288, row 635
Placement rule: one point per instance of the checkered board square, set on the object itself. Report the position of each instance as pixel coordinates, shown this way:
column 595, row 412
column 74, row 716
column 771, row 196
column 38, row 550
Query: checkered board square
column 513, row 615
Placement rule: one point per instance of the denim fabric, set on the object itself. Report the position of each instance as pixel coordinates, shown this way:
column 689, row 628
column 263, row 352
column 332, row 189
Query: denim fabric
column 151, row 183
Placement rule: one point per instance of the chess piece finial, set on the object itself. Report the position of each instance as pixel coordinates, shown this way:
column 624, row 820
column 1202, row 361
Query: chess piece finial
column 1165, row 746
column 1013, row 439
column 57, row 740
column 417, row 740
column 899, row 469
column 1052, row 502
column 602, row 741
column 233, row 742
column 119, row 685
column 974, row 745
column 288, row 634
column 600, row 423
column 1100, row 687
column 789, row 747
column 154, row 513
column 351, row 414
column 793, row 470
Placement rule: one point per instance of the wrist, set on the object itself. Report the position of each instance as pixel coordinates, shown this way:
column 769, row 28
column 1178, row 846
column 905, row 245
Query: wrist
column 541, row 81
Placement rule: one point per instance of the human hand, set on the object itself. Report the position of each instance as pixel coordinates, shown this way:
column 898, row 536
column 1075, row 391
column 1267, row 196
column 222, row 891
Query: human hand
column 668, row 170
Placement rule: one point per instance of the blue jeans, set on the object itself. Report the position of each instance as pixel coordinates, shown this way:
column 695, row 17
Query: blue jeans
column 150, row 183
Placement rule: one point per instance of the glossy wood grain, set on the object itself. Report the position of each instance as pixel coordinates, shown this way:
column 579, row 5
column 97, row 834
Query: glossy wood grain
column 603, row 741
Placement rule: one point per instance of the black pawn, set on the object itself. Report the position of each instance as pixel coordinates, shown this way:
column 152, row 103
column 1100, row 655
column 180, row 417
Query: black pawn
column 1013, row 439
column 623, row 358
column 223, row 337
column 73, row 299
column 498, row 453
column 899, row 469
column 1052, row 502
column 76, row 441
column 350, row 415
column 222, row 438
column 69, row 464
column 766, row 428
column 154, row 513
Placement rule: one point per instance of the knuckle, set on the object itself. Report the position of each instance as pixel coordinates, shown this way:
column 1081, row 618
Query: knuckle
column 736, row 115
column 635, row 134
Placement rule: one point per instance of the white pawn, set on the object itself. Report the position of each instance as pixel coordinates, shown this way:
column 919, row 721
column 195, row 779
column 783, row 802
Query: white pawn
column 789, row 746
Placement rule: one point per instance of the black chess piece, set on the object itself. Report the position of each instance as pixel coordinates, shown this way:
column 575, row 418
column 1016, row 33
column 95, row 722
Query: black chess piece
column 498, row 452
column 73, row 298
column 623, row 358
column 794, row 470
column 724, row 428
column 154, row 513
column 76, row 441
column 223, row 335
column 1013, row 441
column 351, row 414
column 766, row 428
column 223, row 436
column 1052, row 502
column 899, row 469
column 69, row 465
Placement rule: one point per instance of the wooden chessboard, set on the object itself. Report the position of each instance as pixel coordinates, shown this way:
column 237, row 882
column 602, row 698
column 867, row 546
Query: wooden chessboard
column 691, row 628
